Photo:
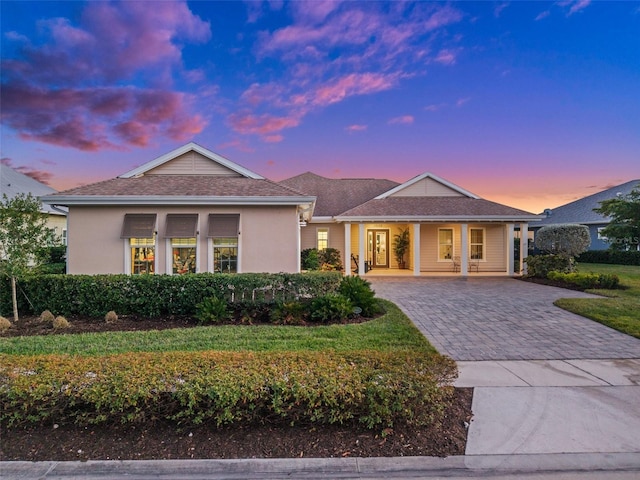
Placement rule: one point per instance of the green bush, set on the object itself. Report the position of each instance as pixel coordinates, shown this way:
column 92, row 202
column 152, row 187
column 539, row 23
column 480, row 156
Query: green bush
column 371, row 388
column 331, row 308
column 614, row 257
column 212, row 310
column 359, row 291
column 309, row 259
column 540, row 265
column 289, row 313
column 586, row 280
column 157, row 295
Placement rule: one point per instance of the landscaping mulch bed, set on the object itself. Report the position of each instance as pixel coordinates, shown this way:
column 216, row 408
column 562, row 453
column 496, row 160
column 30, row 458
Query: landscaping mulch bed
column 168, row 441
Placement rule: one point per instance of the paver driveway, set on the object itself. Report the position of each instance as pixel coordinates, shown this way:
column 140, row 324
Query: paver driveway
column 501, row 319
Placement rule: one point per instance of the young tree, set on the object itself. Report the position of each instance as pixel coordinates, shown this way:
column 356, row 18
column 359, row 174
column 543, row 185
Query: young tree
column 623, row 230
column 23, row 233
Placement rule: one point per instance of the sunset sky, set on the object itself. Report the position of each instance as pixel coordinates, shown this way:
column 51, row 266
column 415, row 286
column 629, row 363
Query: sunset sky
column 531, row 104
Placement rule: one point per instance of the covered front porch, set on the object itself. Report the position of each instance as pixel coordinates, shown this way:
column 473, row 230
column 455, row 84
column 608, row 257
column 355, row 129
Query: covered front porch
column 434, row 249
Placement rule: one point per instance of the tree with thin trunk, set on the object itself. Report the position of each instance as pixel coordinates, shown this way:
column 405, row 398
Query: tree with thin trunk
column 23, row 234
column 623, row 231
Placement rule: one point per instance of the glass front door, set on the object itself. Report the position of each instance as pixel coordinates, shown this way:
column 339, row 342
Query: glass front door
column 378, row 248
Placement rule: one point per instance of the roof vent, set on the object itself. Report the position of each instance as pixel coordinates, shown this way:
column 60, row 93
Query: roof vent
column 547, row 212
column 619, row 194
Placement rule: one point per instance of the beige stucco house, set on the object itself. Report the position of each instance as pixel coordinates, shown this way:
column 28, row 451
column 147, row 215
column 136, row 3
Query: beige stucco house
column 188, row 211
column 192, row 210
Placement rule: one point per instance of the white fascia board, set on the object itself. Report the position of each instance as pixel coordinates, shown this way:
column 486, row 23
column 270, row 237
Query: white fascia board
column 327, row 219
column 449, row 218
column 187, row 148
column 408, row 183
column 174, row 200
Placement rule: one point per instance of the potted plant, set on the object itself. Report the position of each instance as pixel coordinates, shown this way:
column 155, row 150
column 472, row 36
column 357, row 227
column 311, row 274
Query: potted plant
column 400, row 246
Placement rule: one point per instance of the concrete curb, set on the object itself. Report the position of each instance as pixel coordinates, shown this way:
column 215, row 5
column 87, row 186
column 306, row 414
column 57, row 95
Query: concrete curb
column 323, row 468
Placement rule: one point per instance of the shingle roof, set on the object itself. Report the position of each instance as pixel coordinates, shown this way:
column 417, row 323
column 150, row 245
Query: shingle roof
column 13, row 182
column 180, row 189
column 336, row 195
column 434, row 208
column 581, row 211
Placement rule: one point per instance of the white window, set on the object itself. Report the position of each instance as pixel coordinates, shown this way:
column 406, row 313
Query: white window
column 183, row 255
column 445, row 244
column 64, row 236
column 600, row 236
column 143, row 255
column 476, row 244
column 322, row 238
column 224, row 231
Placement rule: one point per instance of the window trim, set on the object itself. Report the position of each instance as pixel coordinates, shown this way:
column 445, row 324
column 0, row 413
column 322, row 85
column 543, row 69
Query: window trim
column 128, row 261
column 318, row 231
column 169, row 253
column 453, row 245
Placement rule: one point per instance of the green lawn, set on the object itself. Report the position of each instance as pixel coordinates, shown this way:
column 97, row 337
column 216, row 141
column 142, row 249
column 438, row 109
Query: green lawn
column 621, row 308
column 393, row 331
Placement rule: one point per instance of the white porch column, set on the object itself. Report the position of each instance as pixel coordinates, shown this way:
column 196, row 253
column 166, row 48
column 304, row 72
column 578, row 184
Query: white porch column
column 347, row 249
column 361, row 244
column 509, row 249
column 464, row 250
column 524, row 247
column 416, row 249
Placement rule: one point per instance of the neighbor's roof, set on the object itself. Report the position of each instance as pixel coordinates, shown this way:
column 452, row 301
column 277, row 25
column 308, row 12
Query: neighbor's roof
column 180, row 189
column 337, row 195
column 13, row 183
column 581, row 211
column 434, row 209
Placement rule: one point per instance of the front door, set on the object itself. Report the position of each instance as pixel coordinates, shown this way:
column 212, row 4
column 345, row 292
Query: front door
column 378, row 248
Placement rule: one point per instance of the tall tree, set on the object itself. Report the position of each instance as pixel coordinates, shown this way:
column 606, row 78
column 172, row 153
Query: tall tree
column 23, row 233
column 623, row 230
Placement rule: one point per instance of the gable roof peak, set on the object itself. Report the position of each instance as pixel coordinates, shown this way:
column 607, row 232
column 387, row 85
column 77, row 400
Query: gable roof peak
column 423, row 176
column 191, row 146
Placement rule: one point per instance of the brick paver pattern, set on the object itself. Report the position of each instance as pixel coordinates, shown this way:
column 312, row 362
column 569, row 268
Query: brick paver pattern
column 502, row 319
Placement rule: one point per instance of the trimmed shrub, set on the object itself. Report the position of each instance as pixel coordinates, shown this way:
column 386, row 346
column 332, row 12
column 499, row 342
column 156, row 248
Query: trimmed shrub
column 613, row 257
column 157, row 295
column 47, row 317
column 359, row 291
column 326, row 260
column 111, row 317
column 568, row 239
column 372, row 388
column 60, row 323
column 331, row 308
column 586, row 280
column 5, row 324
column 540, row 265
column 309, row 259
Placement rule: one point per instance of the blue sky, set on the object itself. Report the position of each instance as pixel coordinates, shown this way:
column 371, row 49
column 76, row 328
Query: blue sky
column 531, row 104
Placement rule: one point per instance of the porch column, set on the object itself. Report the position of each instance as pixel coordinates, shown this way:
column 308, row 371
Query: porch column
column 361, row 244
column 509, row 249
column 416, row 249
column 524, row 247
column 464, row 250
column 347, row 249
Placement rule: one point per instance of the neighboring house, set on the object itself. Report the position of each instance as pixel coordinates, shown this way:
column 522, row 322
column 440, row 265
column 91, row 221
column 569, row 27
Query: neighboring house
column 192, row 210
column 451, row 230
column 13, row 183
column 581, row 212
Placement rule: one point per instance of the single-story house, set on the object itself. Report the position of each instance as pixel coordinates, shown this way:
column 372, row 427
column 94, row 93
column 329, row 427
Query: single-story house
column 13, row 183
column 581, row 212
column 192, row 210
column 451, row 230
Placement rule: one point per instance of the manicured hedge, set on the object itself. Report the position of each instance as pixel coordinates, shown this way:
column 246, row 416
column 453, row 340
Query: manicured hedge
column 156, row 295
column 611, row 257
column 369, row 387
column 586, row 280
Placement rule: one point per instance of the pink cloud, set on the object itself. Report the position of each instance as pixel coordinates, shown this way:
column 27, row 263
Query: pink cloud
column 403, row 120
column 353, row 84
column 52, row 91
column 356, row 128
column 542, row 15
column 265, row 125
column 446, row 57
column 461, row 101
column 574, row 5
